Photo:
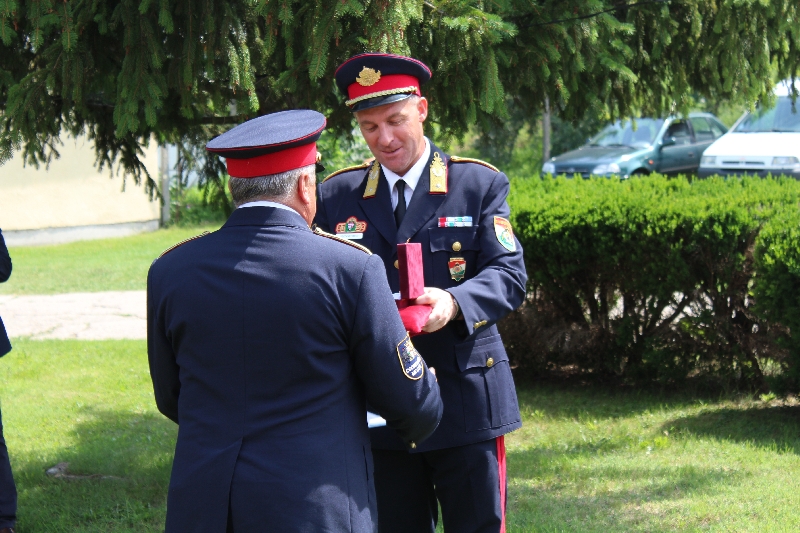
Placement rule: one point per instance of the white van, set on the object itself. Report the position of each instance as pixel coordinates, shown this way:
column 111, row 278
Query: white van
column 766, row 141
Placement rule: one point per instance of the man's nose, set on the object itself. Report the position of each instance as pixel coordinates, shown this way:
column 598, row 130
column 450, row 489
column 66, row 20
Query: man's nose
column 385, row 136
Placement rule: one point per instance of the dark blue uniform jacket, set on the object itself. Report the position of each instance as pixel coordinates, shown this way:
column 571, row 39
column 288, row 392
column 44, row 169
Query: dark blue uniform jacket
column 265, row 341
column 480, row 402
column 5, row 272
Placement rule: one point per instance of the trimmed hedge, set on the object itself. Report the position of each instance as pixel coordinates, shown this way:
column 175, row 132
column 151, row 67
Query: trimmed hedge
column 658, row 279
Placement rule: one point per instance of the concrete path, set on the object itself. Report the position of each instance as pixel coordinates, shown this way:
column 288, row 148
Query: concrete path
column 80, row 315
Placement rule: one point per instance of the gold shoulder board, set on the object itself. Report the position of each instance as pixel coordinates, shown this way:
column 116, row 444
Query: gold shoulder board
column 339, row 239
column 347, row 169
column 456, row 159
column 168, row 250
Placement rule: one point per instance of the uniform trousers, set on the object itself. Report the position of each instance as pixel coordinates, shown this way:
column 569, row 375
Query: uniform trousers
column 469, row 483
column 8, row 491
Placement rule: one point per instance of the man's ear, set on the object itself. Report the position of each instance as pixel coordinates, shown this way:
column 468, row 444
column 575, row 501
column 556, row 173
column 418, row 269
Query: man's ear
column 306, row 186
column 422, row 108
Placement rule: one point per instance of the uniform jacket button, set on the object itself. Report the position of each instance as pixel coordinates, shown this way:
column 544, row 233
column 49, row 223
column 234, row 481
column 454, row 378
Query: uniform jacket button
column 396, row 264
column 489, row 362
column 456, row 246
column 413, row 445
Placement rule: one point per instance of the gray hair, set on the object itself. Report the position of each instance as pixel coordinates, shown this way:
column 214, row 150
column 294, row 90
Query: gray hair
column 275, row 187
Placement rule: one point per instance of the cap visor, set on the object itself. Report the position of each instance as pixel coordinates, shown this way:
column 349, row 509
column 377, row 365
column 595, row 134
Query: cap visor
column 379, row 100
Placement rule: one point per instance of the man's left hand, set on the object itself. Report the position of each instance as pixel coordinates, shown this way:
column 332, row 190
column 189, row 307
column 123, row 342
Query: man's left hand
column 444, row 308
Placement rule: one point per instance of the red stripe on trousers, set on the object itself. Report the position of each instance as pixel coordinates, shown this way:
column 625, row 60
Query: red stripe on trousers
column 501, row 465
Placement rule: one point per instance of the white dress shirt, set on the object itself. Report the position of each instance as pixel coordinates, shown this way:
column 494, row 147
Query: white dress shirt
column 411, row 177
column 267, row 203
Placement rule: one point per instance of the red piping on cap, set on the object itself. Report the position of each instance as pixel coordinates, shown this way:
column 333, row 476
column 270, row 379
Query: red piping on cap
column 273, row 163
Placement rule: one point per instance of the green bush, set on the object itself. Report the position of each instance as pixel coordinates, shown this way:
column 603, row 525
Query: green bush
column 650, row 278
column 191, row 206
column 777, row 282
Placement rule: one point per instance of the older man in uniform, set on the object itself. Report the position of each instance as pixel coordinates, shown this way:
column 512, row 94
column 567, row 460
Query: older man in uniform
column 265, row 341
column 474, row 275
column 8, row 491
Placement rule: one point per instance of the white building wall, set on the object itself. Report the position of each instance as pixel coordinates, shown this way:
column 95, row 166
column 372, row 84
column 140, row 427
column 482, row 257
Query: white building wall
column 72, row 198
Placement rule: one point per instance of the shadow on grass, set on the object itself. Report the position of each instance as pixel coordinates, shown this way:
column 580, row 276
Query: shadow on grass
column 570, row 400
column 136, row 449
column 549, row 495
column 775, row 428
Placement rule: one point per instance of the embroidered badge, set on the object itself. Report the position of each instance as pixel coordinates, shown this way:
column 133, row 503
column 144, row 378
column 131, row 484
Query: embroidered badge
column 372, row 180
column 410, row 359
column 352, row 228
column 438, row 174
column 458, row 267
column 505, row 235
column 351, row 225
column 368, row 77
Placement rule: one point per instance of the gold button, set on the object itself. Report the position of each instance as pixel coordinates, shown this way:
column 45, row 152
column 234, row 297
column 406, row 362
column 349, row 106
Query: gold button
column 413, row 445
column 396, row 264
column 489, row 362
column 456, row 246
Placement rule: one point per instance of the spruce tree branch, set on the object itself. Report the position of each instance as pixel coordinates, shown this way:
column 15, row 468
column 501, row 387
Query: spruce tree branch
column 595, row 14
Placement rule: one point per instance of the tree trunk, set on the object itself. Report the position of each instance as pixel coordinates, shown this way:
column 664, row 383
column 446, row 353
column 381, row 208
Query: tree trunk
column 546, row 127
column 165, row 199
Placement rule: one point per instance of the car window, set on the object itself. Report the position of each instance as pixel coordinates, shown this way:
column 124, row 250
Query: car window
column 783, row 116
column 680, row 131
column 623, row 133
column 702, row 129
column 717, row 128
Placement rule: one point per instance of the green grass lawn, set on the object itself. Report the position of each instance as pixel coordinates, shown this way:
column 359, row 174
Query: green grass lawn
column 586, row 460
column 91, row 266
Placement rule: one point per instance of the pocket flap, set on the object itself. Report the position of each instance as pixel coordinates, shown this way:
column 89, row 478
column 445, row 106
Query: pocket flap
column 442, row 239
column 476, row 354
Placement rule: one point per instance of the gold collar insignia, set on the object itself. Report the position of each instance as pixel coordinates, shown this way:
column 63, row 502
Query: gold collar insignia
column 438, row 175
column 372, row 181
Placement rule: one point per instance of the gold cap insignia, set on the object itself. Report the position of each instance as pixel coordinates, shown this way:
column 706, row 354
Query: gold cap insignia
column 368, row 77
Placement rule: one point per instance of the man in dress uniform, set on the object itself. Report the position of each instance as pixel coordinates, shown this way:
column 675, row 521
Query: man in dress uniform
column 265, row 341
column 8, row 491
column 474, row 275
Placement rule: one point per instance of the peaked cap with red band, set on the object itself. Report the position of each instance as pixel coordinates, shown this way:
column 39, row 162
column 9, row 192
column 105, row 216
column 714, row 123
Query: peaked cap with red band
column 271, row 144
column 374, row 79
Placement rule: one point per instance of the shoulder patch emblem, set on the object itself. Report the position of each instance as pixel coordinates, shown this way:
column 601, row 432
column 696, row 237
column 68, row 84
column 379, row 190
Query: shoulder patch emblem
column 456, row 159
column 346, row 169
column 410, row 359
column 348, row 242
column 168, row 250
column 504, row 233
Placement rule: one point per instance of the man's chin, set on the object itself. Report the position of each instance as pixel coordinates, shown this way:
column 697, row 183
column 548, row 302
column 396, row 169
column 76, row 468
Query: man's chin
column 394, row 166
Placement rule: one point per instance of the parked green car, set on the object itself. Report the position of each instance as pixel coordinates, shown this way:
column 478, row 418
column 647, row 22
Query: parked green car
column 625, row 148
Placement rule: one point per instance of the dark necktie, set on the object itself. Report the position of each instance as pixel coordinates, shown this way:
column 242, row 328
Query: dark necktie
column 400, row 210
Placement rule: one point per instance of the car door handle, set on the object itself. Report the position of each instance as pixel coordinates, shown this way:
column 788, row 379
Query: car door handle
column 691, row 154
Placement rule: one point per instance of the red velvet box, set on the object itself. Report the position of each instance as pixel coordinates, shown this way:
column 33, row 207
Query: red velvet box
column 409, row 262
column 412, row 285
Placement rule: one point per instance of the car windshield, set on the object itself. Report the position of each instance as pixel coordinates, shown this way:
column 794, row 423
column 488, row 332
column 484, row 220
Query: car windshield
column 784, row 116
column 623, row 134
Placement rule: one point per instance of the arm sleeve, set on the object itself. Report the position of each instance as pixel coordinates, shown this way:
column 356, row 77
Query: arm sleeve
column 499, row 285
column 164, row 370
column 5, row 260
column 413, row 407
